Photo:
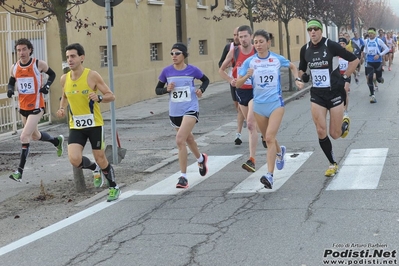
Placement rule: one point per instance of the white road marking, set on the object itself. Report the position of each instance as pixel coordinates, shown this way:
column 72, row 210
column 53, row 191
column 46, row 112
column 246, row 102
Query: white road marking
column 64, row 223
column 361, row 169
column 292, row 163
column 168, row 185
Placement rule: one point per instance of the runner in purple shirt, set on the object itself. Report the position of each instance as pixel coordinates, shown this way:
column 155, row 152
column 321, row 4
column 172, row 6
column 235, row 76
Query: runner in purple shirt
column 183, row 106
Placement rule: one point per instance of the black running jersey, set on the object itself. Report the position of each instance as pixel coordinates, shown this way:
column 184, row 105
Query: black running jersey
column 323, row 61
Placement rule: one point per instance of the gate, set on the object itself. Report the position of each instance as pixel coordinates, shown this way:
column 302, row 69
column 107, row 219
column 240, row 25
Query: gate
column 12, row 28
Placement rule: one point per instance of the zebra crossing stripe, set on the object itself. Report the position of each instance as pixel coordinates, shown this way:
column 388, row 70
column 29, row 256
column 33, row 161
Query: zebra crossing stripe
column 292, row 163
column 168, row 185
column 361, row 169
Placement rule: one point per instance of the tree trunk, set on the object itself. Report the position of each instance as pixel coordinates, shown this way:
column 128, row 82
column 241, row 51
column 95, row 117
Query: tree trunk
column 79, row 179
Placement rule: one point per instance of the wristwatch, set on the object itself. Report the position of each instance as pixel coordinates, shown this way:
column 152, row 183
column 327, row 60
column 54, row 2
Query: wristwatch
column 100, row 98
column 298, row 79
column 345, row 77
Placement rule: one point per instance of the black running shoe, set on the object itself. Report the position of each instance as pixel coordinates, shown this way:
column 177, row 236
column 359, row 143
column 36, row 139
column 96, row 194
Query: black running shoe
column 249, row 166
column 203, row 169
column 183, row 183
column 238, row 141
column 263, row 142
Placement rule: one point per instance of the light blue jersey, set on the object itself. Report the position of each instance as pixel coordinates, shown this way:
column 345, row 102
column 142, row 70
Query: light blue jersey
column 265, row 80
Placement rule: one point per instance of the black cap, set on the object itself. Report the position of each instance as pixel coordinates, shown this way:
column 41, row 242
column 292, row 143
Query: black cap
column 181, row 47
column 343, row 40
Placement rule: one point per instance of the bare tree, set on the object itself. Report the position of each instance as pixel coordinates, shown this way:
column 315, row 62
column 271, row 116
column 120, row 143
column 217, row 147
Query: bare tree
column 44, row 10
column 250, row 9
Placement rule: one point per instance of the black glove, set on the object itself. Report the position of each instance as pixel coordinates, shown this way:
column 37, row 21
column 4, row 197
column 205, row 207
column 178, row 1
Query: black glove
column 305, row 77
column 10, row 93
column 45, row 89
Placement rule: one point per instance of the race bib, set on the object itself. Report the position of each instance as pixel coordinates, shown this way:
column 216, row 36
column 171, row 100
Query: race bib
column 343, row 64
column 267, row 79
column 83, row 121
column 181, row 94
column 320, row 78
column 26, row 85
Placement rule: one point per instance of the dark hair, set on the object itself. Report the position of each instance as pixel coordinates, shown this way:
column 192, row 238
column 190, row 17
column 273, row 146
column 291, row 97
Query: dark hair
column 245, row 28
column 76, row 46
column 372, row 28
column 26, row 42
column 181, row 47
column 268, row 36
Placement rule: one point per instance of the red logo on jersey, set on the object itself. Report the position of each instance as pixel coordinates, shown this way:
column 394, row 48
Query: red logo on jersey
column 270, row 59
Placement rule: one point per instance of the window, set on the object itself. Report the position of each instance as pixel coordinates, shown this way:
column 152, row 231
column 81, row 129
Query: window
column 155, row 51
column 201, row 4
column 229, row 40
column 203, row 47
column 297, row 39
column 229, row 4
column 104, row 56
column 155, row 2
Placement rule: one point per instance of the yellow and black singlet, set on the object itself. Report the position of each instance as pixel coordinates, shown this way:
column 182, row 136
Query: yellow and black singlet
column 84, row 113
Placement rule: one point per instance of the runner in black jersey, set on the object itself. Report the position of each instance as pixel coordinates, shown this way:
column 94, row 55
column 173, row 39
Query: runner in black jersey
column 327, row 93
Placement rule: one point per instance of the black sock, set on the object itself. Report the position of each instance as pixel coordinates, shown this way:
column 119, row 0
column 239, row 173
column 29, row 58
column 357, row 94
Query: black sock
column 326, row 146
column 46, row 137
column 110, row 175
column 24, row 156
column 87, row 164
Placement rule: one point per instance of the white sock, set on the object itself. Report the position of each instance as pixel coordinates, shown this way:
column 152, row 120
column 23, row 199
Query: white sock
column 200, row 159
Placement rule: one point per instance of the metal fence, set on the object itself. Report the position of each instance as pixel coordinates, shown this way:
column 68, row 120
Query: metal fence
column 12, row 28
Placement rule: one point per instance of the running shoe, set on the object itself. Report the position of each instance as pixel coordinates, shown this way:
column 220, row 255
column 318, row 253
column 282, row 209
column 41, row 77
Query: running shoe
column 332, row 170
column 267, row 181
column 373, row 99
column 113, row 193
column 183, row 183
column 16, row 176
column 389, row 68
column 375, row 88
column 238, row 141
column 202, row 167
column 381, row 80
column 60, row 146
column 98, row 179
column 263, row 142
column 356, row 80
column 249, row 166
column 280, row 159
column 345, row 126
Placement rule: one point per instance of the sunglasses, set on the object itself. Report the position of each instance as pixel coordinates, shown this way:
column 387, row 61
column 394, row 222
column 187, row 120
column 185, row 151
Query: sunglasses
column 313, row 28
column 175, row 53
